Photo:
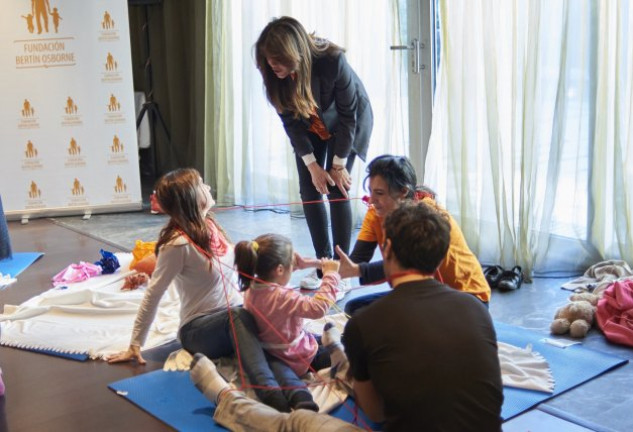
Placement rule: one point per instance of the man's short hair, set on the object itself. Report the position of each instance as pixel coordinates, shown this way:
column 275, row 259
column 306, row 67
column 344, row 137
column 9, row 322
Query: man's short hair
column 419, row 236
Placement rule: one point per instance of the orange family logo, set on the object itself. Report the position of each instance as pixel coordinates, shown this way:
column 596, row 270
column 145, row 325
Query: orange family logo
column 119, row 185
column 77, row 189
column 40, row 15
column 71, row 106
column 111, row 64
column 30, row 151
column 113, row 104
column 27, row 109
column 73, row 148
column 117, row 145
column 34, row 190
column 108, row 22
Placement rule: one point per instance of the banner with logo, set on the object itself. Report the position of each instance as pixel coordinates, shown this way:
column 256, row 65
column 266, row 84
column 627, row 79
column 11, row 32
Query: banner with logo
column 68, row 136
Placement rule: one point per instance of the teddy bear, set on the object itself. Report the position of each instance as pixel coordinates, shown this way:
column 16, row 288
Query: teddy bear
column 576, row 317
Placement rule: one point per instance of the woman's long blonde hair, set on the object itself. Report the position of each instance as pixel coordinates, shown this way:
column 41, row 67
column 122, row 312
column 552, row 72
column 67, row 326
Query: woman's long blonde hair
column 286, row 41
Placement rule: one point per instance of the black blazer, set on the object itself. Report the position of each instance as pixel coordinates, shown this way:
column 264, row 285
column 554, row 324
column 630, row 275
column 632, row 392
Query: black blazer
column 343, row 106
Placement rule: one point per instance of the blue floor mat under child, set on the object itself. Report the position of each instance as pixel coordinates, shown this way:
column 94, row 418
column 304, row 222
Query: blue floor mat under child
column 172, row 398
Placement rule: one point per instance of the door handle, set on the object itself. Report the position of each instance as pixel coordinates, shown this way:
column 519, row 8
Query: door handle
column 415, row 46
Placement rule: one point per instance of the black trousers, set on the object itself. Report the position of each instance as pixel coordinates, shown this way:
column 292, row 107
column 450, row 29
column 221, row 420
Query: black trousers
column 316, row 213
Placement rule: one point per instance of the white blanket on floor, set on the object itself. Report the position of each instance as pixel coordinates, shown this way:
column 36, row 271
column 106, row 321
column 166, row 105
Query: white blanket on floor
column 524, row 368
column 93, row 317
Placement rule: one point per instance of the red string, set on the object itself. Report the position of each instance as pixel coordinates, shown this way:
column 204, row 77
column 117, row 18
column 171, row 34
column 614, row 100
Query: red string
column 246, row 207
column 210, row 257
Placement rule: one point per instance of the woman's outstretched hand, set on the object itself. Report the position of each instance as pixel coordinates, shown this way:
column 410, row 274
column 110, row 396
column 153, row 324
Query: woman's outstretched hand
column 132, row 353
column 320, row 178
column 348, row 268
column 342, row 179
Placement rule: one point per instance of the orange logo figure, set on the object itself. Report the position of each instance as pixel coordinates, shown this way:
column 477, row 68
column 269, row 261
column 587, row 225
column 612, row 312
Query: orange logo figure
column 77, row 189
column 111, row 64
column 34, row 191
column 29, row 22
column 56, row 17
column 27, row 109
column 71, row 107
column 117, row 145
column 41, row 9
column 31, row 151
column 114, row 105
column 107, row 22
column 119, row 185
column 74, row 149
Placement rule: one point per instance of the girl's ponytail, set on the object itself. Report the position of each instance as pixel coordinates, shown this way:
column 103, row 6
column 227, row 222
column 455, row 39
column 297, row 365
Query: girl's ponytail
column 246, row 262
column 260, row 257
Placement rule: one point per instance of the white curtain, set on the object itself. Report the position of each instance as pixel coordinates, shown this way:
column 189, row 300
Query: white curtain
column 532, row 127
column 251, row 160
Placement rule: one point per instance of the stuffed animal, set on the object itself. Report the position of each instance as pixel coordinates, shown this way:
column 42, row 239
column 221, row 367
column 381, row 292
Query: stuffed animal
column 586, row 296
column 575, row 317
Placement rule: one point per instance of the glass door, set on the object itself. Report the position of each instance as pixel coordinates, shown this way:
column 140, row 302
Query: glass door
column 418, row 43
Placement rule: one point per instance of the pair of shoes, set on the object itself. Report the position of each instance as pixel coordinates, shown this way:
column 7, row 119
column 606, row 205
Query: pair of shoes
column 154, row 207
column 493, row 275
column 311, row 282
column 510, row 280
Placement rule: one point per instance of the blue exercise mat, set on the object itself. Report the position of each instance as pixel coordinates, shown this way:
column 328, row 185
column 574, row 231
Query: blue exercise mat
column 172, row 398
column 78, row 357
column 570, row 367
column 537, row 420
column 21, row 260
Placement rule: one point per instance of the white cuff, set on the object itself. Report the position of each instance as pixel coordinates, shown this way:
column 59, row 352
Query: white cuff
column 339, row 161
column 309, row 158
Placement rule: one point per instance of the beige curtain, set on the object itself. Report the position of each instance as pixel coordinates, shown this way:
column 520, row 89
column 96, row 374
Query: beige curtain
column 531, row 138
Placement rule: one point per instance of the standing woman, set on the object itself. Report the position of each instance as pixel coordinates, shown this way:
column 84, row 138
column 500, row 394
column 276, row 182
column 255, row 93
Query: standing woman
column 326, row 113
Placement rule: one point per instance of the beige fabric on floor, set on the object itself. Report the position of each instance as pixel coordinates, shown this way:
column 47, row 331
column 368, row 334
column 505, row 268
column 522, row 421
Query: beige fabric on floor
column 524, row 368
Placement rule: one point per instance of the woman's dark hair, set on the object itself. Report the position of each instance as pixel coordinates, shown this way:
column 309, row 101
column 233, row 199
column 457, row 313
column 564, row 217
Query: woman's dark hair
column 398, row 173
column 419, row 235
column 286, row 40
column 177, row 194
column 260, row 257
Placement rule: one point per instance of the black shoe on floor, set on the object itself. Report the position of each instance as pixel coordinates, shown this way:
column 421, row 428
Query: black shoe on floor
column 493, row 275
column 510, row 280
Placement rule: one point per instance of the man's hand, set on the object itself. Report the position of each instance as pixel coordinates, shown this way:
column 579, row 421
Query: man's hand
column 320, row 178
column 348, row 268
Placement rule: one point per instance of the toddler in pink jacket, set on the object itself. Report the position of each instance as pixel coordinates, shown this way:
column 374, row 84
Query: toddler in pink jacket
column 265, row 266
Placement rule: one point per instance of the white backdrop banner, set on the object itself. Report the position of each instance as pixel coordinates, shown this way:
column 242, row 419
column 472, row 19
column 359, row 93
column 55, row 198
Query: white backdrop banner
column 68, row 136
